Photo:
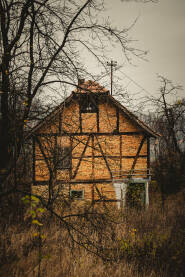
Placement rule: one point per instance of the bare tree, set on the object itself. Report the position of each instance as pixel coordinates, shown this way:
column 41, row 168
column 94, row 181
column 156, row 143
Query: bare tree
column 41, row 43
column 42, row 51
column 169, row 120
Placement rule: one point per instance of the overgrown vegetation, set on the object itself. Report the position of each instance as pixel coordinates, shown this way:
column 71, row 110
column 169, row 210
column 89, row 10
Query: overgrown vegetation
column 130, row 243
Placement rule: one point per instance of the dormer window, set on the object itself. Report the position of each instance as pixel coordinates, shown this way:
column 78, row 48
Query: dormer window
column 88, row 103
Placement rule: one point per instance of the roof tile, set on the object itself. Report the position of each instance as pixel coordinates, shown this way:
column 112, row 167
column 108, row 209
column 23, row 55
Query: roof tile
column 90, row 86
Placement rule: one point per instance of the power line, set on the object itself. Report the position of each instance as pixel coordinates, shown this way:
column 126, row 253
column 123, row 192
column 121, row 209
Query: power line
column 138, row 85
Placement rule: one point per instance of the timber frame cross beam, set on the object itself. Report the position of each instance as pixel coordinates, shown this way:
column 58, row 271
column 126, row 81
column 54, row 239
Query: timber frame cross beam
column 81, row 157
column 104, row 157
column 136, row 157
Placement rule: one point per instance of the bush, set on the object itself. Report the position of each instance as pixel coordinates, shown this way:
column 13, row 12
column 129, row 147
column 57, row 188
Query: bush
column 132, row 243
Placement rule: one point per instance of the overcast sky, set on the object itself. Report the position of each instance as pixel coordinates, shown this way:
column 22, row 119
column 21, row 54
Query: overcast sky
column 160, row 29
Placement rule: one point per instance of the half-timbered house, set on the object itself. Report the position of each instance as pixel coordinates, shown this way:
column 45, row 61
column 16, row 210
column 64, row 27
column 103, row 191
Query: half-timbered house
column 90, row 147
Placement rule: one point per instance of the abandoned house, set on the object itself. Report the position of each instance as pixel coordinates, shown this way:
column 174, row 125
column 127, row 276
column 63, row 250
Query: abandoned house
column 91, row 148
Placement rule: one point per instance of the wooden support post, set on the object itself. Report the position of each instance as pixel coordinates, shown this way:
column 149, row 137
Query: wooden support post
column 146, row 194
column 98, row 121
column 120, row 157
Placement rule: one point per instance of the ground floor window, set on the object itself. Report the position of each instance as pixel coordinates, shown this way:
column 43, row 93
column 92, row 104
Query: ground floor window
column 77, row 194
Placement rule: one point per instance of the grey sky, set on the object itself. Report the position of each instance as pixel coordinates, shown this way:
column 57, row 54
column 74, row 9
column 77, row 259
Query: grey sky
column 161, row 30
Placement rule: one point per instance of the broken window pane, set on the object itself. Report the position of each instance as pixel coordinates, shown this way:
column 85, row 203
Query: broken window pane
column 63, row 157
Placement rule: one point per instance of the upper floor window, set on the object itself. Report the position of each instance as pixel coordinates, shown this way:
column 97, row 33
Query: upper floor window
column 63, row 157
column 88, row 103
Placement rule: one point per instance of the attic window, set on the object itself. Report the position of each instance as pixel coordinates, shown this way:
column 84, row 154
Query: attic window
column 63, row 157
column 88, row 104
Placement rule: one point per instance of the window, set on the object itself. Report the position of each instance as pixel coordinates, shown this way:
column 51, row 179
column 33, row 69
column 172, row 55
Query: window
column 63, row 157
column 88, row 103
column 77, row 194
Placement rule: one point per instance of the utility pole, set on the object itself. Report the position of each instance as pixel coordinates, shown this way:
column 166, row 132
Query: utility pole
column 111, row 64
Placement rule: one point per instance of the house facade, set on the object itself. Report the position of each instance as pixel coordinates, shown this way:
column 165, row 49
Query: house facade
column 91, row 147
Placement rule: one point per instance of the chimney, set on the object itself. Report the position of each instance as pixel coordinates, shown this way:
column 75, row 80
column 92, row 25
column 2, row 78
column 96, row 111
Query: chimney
column 80, row 81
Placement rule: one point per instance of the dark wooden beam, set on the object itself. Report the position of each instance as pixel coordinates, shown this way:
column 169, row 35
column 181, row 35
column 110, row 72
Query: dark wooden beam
column 55, row 154
column 71, row 164
column 104, row 157
column 120, row 153
column 138, row 152
column 98, row 121
column 93, row 161
column 112, row 157
column 99, row 193
column 79, row 181
column 78, row 165
column 117, row 115
column 107, row 200
column 89, row 133
column 80, row 121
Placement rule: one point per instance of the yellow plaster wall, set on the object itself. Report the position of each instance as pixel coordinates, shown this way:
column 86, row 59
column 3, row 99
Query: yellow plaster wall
column 70, row 118
column 41, row 172
column 85, row 168
column 109, row 144
column 89, row 122
column 107, row 118
column 131, row 143
column 100, row 169
column 126, row 125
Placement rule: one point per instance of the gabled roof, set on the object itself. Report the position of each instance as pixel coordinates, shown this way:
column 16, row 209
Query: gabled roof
column 93, row 87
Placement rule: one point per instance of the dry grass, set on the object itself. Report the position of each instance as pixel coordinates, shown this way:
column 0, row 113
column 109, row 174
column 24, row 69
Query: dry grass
column 148, row 243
